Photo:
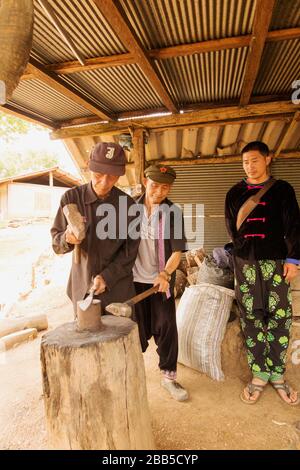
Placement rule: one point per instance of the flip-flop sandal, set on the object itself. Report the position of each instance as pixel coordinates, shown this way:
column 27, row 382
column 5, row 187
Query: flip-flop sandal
column 251, row 387
column 284, row 386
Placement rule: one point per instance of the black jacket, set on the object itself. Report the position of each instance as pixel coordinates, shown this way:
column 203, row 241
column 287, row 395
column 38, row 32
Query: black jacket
column 112, row 258
column 272, row 230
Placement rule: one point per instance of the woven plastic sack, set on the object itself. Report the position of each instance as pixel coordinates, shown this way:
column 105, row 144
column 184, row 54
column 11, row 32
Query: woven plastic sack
column 202, row 316
column 210, row 273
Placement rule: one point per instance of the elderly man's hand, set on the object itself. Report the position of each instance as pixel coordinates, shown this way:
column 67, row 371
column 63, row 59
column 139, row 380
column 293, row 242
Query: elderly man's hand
column 99, row 284
column 290, row 271
column 70, row 237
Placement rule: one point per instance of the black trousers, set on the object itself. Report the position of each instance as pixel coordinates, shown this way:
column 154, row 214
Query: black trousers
column 156, row 316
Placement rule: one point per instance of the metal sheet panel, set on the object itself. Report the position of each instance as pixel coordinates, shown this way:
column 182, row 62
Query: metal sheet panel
column 162, row 23
column 280, row 67
column 35, row 96
column 85, row 25
column 286, row 14
column 118, row 89
column 213, row 76
column 208, row 184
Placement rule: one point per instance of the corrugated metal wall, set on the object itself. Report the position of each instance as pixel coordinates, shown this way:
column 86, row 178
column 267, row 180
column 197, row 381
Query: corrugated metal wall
column 208, row 185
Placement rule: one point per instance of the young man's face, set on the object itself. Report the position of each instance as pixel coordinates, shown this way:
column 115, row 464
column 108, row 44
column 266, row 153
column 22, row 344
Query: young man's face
column 156, row 192
column 255, row 165
column 102, row 183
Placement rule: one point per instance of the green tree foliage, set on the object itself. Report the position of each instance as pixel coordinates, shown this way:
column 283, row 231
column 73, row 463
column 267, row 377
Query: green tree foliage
column 10, row 126
column 12, row 163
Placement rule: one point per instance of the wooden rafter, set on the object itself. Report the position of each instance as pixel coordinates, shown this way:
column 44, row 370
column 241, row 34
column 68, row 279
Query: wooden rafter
column 115, row 16
column 166, row 52
column 27, row 116
column 262, row 19
column 286, row 137
column 203, row 116
column 64, row 88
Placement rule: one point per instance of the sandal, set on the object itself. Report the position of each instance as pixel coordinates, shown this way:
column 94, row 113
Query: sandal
column 284, row 386
column 251, row 387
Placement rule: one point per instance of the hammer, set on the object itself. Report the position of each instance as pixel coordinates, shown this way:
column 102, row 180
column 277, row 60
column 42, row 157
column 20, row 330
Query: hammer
column 124, row 309
column 75, row 221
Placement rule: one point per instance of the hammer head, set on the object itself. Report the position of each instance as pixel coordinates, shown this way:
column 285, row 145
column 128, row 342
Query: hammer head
column 75, row 220
column 119, row 309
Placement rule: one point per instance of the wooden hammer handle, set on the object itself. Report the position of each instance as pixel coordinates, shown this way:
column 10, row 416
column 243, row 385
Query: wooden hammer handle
column 142, row 296
column 77, row 254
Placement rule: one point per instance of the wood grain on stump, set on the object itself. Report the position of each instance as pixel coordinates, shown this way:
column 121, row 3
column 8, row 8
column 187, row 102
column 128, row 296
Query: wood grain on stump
column 94, row 387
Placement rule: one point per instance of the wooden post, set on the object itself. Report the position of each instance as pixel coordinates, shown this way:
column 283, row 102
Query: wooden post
column 139, row 156
column 94, row 387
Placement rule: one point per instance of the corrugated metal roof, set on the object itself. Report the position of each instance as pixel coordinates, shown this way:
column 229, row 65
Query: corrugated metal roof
column 286, row 14
column 36, row 96
column 83, row 22
column 213, row 76
column 217, row 140
column 162, row 23
column 280, row 67
column 119, row 88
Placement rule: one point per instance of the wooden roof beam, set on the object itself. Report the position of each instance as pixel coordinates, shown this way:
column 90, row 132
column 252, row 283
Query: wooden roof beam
column 95, row 63
column 27, row 116
column 205, row 116
column 115, row 16
column 262, row 19
column 57, row 84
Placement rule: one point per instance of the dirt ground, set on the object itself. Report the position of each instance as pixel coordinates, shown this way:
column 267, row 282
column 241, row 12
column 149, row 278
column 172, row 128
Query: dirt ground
column 213, row 417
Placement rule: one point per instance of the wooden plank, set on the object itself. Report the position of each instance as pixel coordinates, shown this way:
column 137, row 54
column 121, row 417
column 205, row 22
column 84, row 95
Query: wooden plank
column 79, row 121
column 262, row 19
column 216, row 159
column 138, row 154
column 288, row 133
column 205, row 116
column 114, row 14
column 165, row 53
column 147, row 113
column 27, row 116
column 59, row 85
column 200, row 47
column 92, row 64
column 283, row 35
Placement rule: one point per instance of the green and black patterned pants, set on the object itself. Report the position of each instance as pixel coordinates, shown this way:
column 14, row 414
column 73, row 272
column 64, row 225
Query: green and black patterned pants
column 264, row 301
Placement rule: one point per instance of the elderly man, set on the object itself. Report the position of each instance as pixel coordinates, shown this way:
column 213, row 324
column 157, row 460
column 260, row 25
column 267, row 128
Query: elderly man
column 159, row 254
column 106, row 259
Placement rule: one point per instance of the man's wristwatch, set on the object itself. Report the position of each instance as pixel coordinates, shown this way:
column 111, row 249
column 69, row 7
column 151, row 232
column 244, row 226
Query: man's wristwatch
column 167, row 274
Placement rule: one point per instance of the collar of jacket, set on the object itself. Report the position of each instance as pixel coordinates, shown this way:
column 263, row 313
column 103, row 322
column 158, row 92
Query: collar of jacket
column 90, row 195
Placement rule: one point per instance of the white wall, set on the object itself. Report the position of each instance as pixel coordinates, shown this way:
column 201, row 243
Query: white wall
column 32, row 200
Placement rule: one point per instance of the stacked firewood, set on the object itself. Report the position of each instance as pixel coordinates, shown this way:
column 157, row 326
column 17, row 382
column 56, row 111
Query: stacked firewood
column 187, row 271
